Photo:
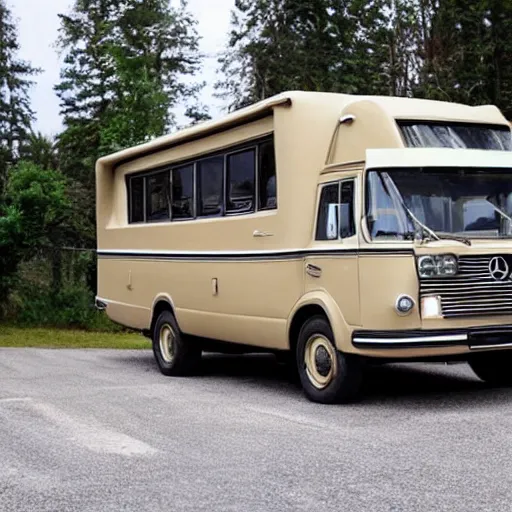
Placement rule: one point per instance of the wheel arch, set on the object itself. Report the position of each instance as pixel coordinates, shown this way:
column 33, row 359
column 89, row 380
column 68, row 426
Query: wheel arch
column 162, row 302
column 314, row 303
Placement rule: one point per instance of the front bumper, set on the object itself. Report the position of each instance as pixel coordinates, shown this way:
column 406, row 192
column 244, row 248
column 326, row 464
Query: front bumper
column 475, row 338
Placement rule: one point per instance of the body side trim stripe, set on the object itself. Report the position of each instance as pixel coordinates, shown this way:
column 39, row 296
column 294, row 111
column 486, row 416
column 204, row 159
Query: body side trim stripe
column 284, row 254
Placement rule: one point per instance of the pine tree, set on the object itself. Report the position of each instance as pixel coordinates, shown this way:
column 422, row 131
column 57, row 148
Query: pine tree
column 16, row 115
column 278, row 45
column 468, row 52
column 155, row 47
column 124, row 62
column 349, row 46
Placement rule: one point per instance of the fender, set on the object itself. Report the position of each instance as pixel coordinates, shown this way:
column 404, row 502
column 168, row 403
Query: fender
column 342, row 332
column 165, row 297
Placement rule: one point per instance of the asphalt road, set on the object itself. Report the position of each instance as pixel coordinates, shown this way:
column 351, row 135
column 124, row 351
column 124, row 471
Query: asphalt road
column 91, row 430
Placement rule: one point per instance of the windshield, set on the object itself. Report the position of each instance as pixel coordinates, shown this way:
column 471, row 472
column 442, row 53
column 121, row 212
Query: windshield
column 436, row 135
column 472, row 203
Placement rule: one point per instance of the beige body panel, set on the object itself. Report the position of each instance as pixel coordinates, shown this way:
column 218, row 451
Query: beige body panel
column 275, row 287
column 223, row 282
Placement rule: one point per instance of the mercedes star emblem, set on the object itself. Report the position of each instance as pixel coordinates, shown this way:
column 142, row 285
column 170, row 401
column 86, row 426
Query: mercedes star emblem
column 498, row 267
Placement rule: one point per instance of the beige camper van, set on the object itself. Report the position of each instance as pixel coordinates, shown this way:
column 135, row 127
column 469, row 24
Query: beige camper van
column 341, row 230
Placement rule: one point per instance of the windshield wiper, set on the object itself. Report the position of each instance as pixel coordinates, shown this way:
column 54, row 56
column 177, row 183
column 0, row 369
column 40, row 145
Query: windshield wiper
column 456, row 238
column 505, row 215
column 424, row 228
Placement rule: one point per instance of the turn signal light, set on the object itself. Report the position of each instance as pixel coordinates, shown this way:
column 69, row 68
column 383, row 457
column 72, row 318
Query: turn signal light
column 431, row 307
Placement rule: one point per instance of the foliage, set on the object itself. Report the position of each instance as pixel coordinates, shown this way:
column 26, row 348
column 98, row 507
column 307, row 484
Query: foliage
column 71, row 306
column 35, row 210
column 278, row 45
column 356, row 46
column 124, row 63
column 15, row 112
column 468, row 53
column 40, row 150
column 11, row 237
column 437, row 49
column 40, row 196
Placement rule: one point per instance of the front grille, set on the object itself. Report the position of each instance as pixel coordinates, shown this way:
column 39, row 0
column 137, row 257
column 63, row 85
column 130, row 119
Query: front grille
column 473, row 291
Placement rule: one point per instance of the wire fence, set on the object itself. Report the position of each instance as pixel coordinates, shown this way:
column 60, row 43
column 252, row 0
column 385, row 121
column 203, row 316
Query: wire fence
column 56, row 287
column 59, row 267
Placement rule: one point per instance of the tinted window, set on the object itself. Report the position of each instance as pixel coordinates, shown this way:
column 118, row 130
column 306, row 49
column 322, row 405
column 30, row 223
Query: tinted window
column 267, row 176
column 210, row 179
column 137, row 199
column 347, row 225
column 157, row 197
column 183, row 192
column 327, row 224
column 456, row 136
column 241, row 176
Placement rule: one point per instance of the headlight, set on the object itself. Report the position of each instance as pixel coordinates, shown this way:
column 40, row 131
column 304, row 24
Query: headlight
column 437, row 265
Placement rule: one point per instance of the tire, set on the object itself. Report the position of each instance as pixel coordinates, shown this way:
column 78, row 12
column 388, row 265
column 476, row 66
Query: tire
column 494, row 368
column 175, row 355
column 327, row 375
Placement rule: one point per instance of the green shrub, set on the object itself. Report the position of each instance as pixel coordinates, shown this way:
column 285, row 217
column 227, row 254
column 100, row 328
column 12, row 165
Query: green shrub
column 71, row 307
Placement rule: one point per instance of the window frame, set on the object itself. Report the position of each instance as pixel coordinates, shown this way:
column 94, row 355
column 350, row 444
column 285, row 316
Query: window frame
column 223, row 188
column 338, row 182
column 194, row 191
column 129, row 189
column 159, row 221
column 353, row 181
column 254, row 209
column 257, row 191
column 169, row 168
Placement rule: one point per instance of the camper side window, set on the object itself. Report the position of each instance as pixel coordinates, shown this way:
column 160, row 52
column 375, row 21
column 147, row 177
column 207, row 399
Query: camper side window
column 236, row 181
column 137, row 199
column 267, row 177
column 241, row 176
column 158, row 197
column 183, row 192
column 328, row 213
column 210, row 186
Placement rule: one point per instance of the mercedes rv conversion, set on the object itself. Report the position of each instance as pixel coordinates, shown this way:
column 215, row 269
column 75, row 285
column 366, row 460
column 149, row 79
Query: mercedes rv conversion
column 340, row 229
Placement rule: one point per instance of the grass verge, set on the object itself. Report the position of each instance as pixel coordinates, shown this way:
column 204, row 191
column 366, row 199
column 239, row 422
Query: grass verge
column 57, row 338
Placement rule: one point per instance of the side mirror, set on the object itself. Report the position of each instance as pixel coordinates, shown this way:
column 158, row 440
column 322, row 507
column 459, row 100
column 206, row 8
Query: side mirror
column 332, row 222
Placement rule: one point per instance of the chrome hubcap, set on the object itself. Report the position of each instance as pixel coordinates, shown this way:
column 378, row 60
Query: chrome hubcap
column 320, row 361
column 167, row 341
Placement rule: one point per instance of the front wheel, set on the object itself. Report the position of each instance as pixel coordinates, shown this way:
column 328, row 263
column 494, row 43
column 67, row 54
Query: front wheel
column 494, row 368
column 175, row 354
column 327, row 375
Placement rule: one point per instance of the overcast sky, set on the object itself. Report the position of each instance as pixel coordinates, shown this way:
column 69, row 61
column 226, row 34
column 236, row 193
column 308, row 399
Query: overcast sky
column 38, row 26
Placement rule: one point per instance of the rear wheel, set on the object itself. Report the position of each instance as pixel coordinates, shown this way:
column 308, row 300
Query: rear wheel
column 327, row 375
column 495, row 368
column 174, row 353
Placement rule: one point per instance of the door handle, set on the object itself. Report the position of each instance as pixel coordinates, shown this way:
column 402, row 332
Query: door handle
column 313, row 270
column 261, row 234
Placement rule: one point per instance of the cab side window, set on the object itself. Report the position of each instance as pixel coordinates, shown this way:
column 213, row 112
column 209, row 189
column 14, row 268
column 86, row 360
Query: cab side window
column 328, row 213
column 347, row 222
column 336, row 211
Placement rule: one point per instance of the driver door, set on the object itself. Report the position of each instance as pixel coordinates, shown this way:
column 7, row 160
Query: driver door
column 334, row 266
